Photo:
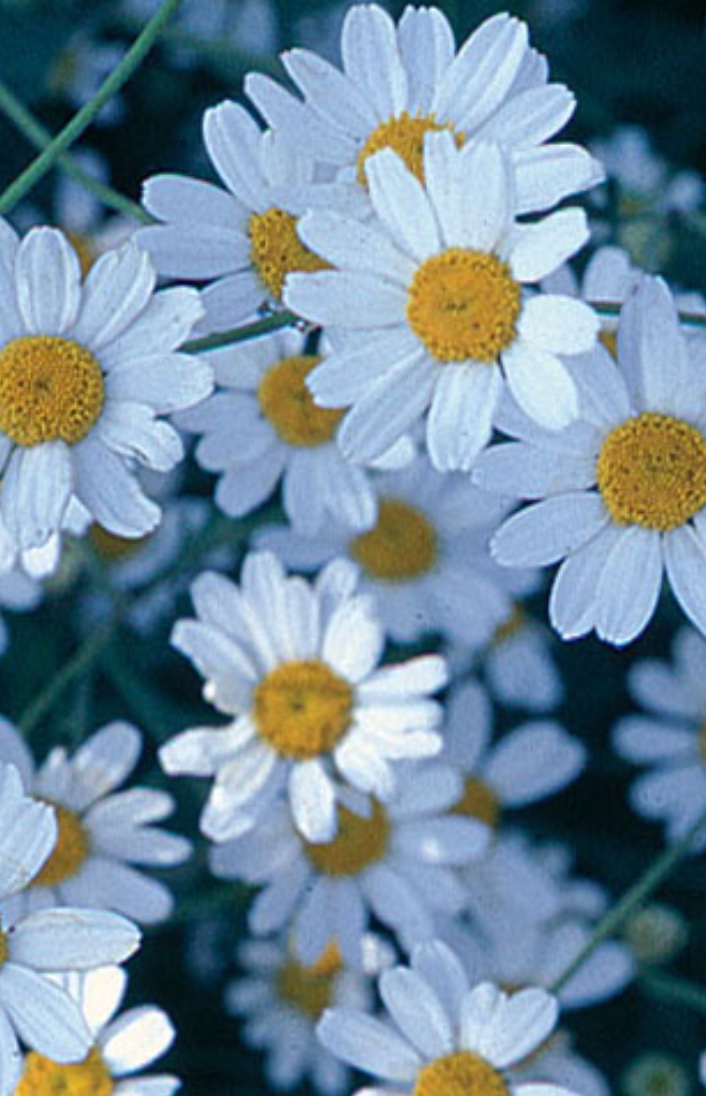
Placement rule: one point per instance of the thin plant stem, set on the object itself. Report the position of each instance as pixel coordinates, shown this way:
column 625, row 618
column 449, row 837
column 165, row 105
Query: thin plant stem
column 648, row 882
column 241, row 334
column 41, row 138
column 670, row 987
column 82, row 658
column 134, row 57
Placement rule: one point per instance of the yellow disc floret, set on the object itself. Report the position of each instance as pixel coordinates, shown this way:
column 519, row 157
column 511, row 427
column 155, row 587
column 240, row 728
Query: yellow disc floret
column 464, row 305
column 42, row 1077
column 405, row 135
column 276, row 250
column 111, row 547
column 71, row 849
column 310, row 989
column 401, row 546
column 4, row 950
column 288, row 404
column 651, row 472
column 51, row 389
column 358, row 843
column 302, row 708
column 460, row 1074
column 479, row 801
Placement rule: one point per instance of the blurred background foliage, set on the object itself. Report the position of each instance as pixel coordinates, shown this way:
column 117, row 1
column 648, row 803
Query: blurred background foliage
column 636, row 62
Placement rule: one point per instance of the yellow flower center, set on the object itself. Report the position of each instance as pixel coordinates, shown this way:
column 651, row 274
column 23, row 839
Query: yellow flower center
column 402, row 546
column 358, row 843
column 302, row 708
column 651, row 472
column 276, row 250
column 610, row 341
column 110, row 547
column 50, row 389
column 460, row 1074
column 404, row 135
column 71, row 849
column 83, row 246
column 479, row 801
column 288, row 404
column 42, row 1077
column 464, row 304
column 4, row 950
column 310, row 989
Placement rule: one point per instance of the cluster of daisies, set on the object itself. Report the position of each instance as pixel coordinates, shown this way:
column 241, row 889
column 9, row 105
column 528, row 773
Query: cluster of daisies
column 442, row 411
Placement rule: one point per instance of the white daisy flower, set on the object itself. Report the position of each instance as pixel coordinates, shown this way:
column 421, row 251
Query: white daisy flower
column 401, row 82
column 399, row 862
column 647, row 183
column 529, row 763
column 425, row 559
column 241, row 240
column 102, row 832
column 446, row 1037
column 296, row 666
column 85, row 371
column 262, row 427
column 669, row 737
column 281, row 1001
column 34, row 1009
column 120, row 1046
column 431, row 303
column 623, row 491
column 518, row 666
column 516, row 948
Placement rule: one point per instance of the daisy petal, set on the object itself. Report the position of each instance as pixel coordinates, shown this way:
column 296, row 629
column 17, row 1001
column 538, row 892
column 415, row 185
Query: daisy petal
column 368, row 1045
column 460, row 419
column 48, row 282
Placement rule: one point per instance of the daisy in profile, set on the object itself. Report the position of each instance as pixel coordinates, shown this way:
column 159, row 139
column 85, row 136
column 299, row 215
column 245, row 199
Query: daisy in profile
column 619, row 497
column 397, row 861
column 104, row 835
column 262, row 427
column 296, row 666
column 430, row 308
column 443, row 1037
column 120, row 1045
column 86, row 371
column 241, row 241
column 401, row 82
column 281, row 1001
column 425, row 558
column 529, row 763
column 669, row 737
column 33, row 1008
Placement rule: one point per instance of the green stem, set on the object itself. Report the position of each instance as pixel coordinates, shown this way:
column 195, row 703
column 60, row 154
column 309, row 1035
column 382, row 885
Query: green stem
column 79, row 661
column 633, row 897
column 83, row 118
column 611, row 309
column 669, row 987
column 41, row 138
column 241, row 334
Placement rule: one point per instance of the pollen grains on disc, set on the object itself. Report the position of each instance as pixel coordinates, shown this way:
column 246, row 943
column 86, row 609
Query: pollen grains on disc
column 651, row 471
column 358, row 843
column 302, row 708
column 288, row 405
column 478, row 801
column 276, row 250
column 464, row 304
column 42, row 1077
column 71, row 849
column 404, row 134
column 403, row 544
column 51, row 389
column 310, row 989
column 460, row 1074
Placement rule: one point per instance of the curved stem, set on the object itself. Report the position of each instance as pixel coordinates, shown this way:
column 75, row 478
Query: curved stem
column 41, row 138
column 241, row 334
column 633, row 897
column 83, row 118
